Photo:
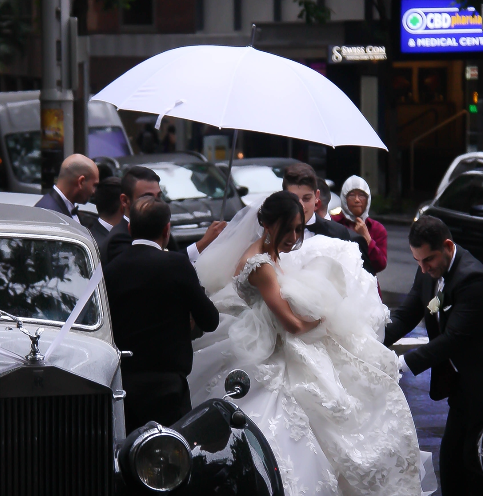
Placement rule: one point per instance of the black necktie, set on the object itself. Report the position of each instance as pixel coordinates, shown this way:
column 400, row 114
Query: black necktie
column 74, row 210
column 311, row 228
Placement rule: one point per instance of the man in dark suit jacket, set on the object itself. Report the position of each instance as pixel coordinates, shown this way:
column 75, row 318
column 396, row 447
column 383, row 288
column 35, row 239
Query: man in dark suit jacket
column 108, row 204
column 136, row 183
column 301, row 180
column 153, row 295
column 77, row 181
column 447, row 292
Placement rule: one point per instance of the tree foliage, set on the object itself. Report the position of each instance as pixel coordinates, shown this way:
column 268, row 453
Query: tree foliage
column 313, row 12
column 115, row 4
column 13, row 31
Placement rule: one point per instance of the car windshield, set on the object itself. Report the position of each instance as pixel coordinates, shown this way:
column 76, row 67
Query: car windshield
column 187, row 181
column 107, row 141
column 258, row 179
column 24, row 153
column 464, row 193
column 43, row 279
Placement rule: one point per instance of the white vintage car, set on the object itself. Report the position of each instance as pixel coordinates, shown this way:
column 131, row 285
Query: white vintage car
column 61, row 400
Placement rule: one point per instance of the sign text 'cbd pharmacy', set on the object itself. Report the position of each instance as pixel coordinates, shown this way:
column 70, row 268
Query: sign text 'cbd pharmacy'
column 438, row 26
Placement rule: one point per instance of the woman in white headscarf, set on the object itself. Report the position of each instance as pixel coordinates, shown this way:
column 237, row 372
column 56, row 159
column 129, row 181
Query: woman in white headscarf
column 355, row 199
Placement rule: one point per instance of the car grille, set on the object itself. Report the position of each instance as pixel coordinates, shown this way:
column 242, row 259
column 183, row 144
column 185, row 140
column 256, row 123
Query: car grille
column 56, row 445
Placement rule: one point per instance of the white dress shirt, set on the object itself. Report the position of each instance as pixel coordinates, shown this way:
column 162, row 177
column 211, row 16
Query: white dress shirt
column 105, row 224
column 146, row 242
column 192, row 250
column 439, row 287
column 68, row 204
column 309, row 234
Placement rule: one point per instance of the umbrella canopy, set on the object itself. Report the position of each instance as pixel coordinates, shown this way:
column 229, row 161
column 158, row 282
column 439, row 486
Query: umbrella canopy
column 242, row 88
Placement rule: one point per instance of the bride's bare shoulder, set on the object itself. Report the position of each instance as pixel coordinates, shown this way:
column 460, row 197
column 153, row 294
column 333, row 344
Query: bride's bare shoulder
column 254, row 249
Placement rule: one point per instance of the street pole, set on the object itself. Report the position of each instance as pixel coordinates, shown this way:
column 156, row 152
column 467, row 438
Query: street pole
column 56, row 98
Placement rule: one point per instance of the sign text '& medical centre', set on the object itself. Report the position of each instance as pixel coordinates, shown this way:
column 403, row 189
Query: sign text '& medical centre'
column 438, row 26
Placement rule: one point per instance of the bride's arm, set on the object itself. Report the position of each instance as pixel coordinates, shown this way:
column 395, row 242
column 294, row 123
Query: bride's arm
column 265, row 279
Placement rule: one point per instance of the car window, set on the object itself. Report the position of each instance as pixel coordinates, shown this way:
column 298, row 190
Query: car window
column 24, row 153
column 107, row 141
column 462, row 194
column 257, row 179
column 43, row 279
column 199, row 180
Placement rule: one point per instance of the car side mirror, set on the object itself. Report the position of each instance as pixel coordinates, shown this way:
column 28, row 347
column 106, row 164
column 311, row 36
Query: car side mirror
column 237, row 384
column 476, row 210
column 242, row 190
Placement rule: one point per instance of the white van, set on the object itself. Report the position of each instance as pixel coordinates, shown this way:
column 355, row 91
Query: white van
column 20, row 138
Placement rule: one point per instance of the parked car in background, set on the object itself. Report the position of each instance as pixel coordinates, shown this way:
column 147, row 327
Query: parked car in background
column 20, row 138
column 61, row 414
column 460, row 207
column 192, row 186
column 462, row 163
column 263, row 176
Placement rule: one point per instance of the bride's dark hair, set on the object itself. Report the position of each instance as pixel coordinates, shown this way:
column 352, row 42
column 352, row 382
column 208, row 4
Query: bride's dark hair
column 282, row 208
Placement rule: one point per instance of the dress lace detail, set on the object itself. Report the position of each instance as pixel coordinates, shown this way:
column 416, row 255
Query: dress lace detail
column 328, row 401
column 246, row 291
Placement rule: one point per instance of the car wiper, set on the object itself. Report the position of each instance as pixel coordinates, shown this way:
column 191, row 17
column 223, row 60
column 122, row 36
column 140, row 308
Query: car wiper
column 18, row 320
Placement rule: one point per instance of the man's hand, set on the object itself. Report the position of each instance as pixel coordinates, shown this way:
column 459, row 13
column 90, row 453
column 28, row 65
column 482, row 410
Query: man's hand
column 361, row 229
column 211, row 234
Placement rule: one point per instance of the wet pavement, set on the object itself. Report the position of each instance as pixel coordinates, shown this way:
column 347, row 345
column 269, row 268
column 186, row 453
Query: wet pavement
column 429, row 416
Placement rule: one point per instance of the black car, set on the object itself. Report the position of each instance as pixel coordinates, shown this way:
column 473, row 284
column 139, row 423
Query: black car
column 191, row 185
column 460, row 207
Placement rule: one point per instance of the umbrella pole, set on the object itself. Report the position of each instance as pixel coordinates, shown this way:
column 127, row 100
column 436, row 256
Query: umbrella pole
column 228, row 177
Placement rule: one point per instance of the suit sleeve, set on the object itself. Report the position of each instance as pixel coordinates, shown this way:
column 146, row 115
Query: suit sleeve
column 408, row 315
column 378, row 247
column 462, row 327
column 116, row 245
column 201, row 307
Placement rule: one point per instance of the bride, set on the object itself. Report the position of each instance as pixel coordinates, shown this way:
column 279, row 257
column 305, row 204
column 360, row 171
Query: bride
column 307, row 325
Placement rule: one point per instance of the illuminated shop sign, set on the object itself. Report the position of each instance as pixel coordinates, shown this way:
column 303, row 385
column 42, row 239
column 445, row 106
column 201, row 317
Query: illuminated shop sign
column 438, row 26
column 356, row 53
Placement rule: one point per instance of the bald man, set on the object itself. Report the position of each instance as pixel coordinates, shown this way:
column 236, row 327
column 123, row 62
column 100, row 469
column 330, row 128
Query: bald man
column 78, row 178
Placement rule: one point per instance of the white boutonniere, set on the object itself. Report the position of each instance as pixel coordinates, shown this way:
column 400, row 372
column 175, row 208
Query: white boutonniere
column 433, row 305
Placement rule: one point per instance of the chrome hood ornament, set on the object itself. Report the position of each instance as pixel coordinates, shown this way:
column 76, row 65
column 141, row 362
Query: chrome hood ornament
column 34, row 355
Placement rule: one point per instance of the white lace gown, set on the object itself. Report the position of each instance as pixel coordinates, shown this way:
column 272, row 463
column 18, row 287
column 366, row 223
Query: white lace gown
column 328, row 401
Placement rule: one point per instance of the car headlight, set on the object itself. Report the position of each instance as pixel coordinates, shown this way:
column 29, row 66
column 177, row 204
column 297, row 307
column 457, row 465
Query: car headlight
column 161, row 459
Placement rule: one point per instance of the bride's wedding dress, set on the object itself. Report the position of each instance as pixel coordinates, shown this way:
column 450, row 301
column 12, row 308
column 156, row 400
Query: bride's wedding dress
column 328, row 401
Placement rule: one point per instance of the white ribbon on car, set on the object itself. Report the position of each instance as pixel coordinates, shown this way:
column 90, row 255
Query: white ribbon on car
column 81, row 302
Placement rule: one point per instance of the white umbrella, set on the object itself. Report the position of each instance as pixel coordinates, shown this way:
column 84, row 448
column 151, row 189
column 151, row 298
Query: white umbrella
column 242, row 88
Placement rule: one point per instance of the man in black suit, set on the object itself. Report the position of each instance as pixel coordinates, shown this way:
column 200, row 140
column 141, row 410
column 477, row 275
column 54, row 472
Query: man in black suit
column 77, row 181
column 447, row 292
column 301, row 180
column 153, row 295
column 137, row 182
column 108, row 204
